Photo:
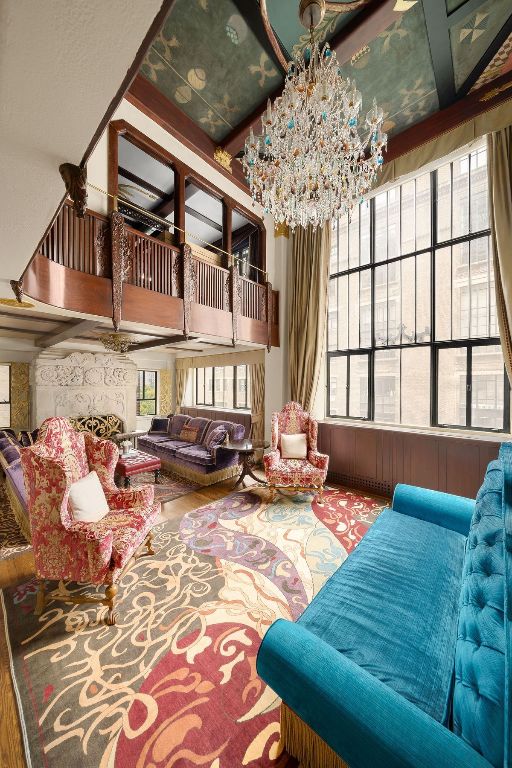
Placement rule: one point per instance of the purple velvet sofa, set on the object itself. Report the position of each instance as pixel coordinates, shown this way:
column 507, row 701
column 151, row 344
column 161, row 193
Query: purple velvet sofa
column 14, row 482
column 183, row 445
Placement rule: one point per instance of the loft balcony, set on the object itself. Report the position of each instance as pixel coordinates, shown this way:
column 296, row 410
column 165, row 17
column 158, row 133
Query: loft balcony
column 174, row 287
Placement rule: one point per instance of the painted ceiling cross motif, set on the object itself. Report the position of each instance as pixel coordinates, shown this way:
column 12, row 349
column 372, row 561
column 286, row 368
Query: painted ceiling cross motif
column 476, row 27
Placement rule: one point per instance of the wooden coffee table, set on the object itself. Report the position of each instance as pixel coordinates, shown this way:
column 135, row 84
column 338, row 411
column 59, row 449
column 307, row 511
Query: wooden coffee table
column 136, row 463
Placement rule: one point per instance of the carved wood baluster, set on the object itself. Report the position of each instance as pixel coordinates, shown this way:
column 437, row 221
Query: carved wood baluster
column 120, row 263
column 235, row 300
column 268, row 285
column 189, row 287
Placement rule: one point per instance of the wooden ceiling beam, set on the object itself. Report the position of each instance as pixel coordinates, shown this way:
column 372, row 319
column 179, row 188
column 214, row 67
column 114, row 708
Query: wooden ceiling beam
column 358, row 32
column 438, row 35
column 63, row 333
column 156, row 343
column 126, row 174
column 149, row 100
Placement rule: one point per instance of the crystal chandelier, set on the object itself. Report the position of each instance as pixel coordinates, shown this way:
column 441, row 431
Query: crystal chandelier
column 116, row 342
column 316, row 159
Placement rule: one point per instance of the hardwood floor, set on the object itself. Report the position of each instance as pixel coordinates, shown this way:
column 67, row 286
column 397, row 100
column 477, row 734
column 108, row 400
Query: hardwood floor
column 21, row 568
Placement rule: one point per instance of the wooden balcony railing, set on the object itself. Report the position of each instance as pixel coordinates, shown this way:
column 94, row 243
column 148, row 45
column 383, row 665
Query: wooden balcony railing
column 84, row 245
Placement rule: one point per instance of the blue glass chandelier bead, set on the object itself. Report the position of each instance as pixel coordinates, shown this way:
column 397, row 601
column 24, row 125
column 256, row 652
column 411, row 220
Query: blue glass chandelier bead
column 291, row 123
column 352, row 122
column 268, row 140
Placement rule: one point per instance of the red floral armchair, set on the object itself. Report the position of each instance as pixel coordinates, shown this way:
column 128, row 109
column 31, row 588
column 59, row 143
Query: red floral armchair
column 295, row 474
column 66, row 550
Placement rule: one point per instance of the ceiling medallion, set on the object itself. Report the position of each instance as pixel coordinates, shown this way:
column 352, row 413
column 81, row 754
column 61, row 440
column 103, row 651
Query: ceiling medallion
column 116, row 342
column 315, row 160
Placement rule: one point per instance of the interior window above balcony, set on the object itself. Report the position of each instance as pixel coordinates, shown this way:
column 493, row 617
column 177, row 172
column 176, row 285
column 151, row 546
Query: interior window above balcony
column 203, row 221
column 245, row 245
column 145, row 183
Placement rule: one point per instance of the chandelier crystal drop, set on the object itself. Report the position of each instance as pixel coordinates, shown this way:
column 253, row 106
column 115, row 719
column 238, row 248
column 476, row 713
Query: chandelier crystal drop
column 316, row 159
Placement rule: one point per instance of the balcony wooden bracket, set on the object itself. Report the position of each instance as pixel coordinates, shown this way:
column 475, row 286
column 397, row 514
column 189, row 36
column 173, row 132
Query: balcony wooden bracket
column 17, row 288
column 269, row 314
column 236, row 298
column 188, row 283
column 75, row 179
column 121, row 264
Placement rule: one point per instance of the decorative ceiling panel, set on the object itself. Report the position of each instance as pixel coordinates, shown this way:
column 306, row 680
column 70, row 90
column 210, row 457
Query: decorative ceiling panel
column 500, row 65
column 284, row 18
column 471, row 37
column 396, row 70
column 209, row 62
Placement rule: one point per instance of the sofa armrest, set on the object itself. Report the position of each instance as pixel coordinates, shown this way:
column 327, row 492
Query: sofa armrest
column 271, row 459
column 361, row 719
column 133, row 499
column 444, row 509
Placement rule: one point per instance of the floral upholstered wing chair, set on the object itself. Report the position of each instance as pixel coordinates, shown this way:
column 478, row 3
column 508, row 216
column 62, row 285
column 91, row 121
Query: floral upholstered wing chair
column 295, row 474
column 66, row 550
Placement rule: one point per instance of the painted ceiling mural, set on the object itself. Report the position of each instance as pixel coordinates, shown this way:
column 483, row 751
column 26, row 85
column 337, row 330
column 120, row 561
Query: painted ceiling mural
column 213, row 62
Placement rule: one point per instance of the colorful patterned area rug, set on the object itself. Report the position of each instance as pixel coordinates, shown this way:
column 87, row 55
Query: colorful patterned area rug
column 169, row 486
column 12, row 541
column 173, row 684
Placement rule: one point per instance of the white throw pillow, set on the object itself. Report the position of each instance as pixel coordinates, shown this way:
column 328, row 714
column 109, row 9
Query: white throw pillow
column 87, row 499
column 294, row 446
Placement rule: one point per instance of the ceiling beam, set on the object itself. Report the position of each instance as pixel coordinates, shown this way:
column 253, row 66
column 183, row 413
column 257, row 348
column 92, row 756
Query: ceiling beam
column 475, row 103
column 205, row 219
column 65, row 332
column 156, row 343
column 438, row 34
column 149, row 100
column 358, row 32
column 126, row 174
column 487, row 57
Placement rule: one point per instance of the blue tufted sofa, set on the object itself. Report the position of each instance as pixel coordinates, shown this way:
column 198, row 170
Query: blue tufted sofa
column 403, row 659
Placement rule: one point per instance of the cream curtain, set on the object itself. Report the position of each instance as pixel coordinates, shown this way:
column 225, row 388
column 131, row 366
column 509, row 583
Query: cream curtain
column 307, row 310
column 499, row 158
column 181, row 385
column 258, row 401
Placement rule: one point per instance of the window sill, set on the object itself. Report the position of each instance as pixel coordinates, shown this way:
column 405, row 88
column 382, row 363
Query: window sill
column 462, row 434
column 221, row 410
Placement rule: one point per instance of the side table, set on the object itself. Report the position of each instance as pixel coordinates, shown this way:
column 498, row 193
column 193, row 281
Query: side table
column 246, row 450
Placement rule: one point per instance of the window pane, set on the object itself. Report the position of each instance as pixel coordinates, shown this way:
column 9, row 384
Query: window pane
column 443, row 290
column 5, row 415
column 460, row 198
column 394, row 314
column 332, row 328
column 333, row 261
column 343, row 243
column 353, row 239
column 358, row 394
column 423, row 212
column 365, row 308
column 4, row 383
column 343, row 312
column 461, row 306
column 224, row 379
column 208, row 386
column 479, row 272
column 200, row 386
column 149, row 385
column 415, row 386
column 479, row 191
column 364, row 215
column 381, row 225
column 387, row 386
column 423, row 329
column 451, row 386
column 408, row 301
column 393, row 222
column 444, row 203
column 146, row 408
column 338, row 386
column 488, row 387
column 408, row 217
column 493, row 319
column 140, row 384
column 353, row 306
column 381, row 309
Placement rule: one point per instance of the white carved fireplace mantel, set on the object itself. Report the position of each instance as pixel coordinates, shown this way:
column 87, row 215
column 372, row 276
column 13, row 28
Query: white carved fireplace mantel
column 83, row 384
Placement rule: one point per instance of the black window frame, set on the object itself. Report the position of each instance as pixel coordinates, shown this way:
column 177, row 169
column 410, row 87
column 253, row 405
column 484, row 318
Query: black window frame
column 146, row 399
column 213, row 404
column 434, row 345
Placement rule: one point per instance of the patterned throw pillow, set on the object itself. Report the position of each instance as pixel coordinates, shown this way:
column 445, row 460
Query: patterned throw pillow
column 189, row 434
column 216, row 437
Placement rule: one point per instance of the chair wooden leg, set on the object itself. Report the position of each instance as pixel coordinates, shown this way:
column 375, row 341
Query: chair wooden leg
column 149, row 544
column 110, row 596
column 40, row 598
column 320, row 497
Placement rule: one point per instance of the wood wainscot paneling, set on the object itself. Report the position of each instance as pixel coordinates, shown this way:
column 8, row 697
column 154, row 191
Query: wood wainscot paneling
column 377, row 459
